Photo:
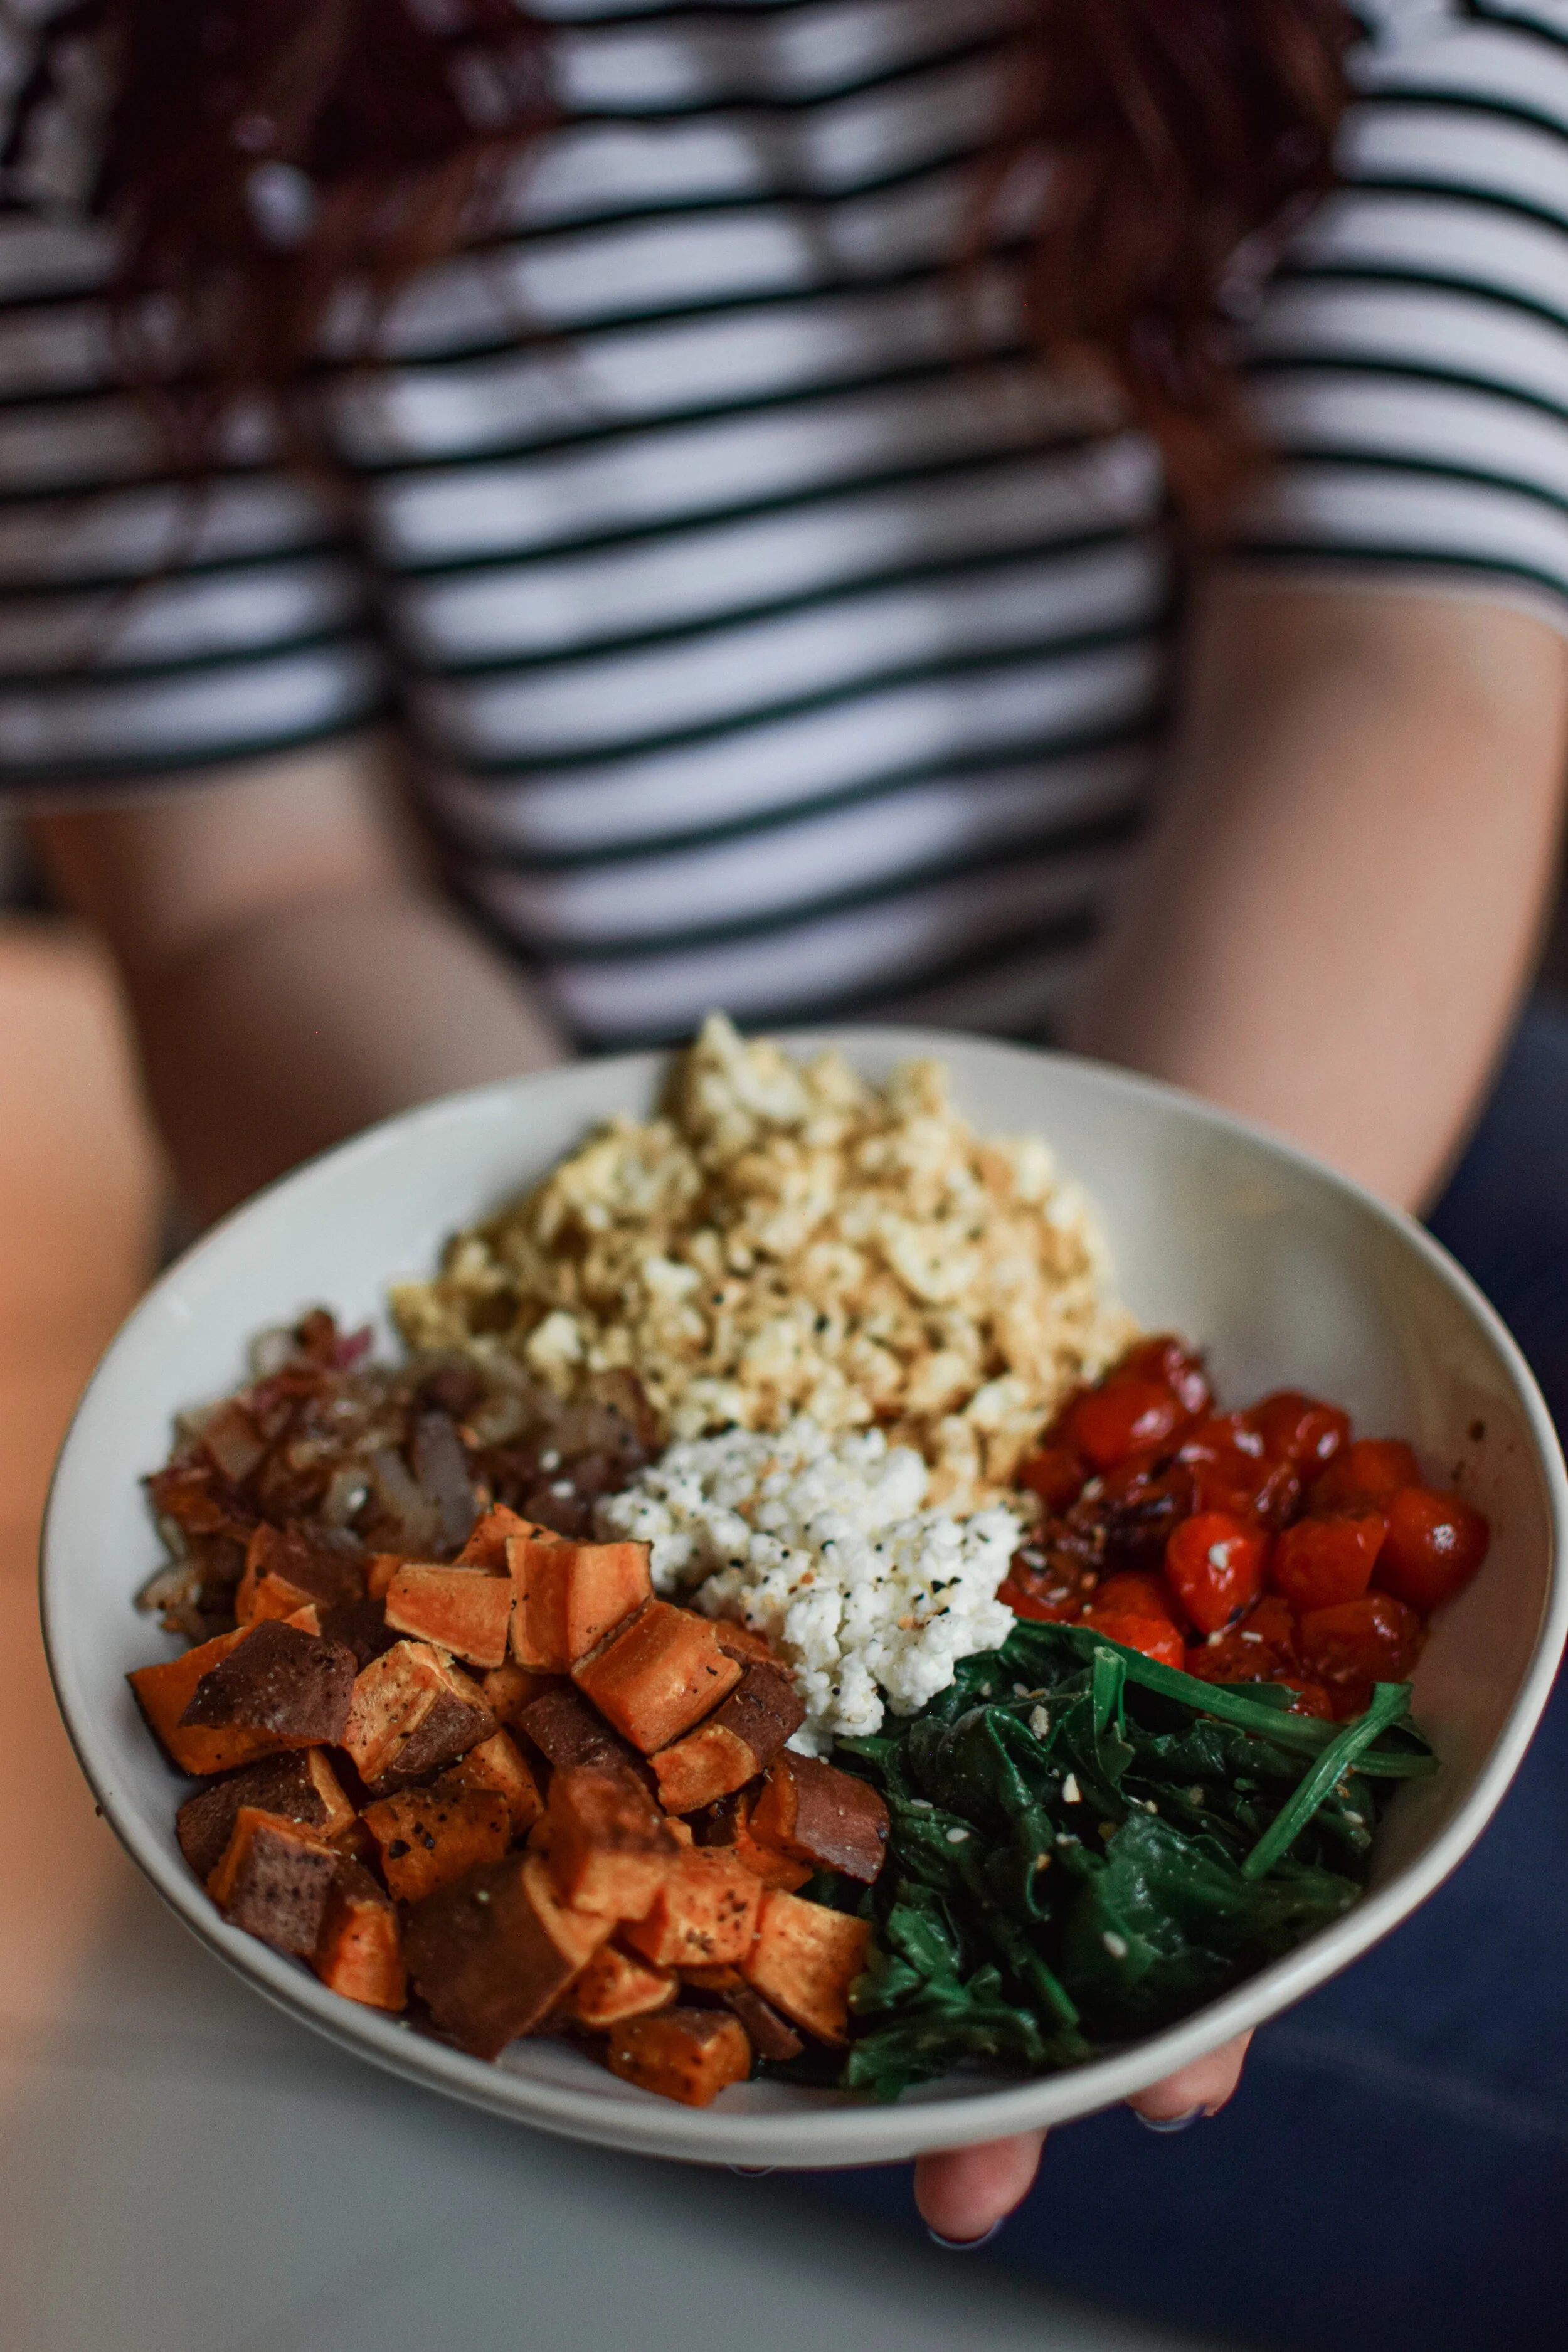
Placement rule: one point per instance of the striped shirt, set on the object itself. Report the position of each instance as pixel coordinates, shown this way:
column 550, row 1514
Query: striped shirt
column 766, row 627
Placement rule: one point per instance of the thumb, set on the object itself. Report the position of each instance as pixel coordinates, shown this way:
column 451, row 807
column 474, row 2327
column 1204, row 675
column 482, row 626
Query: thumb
column 965, row 2192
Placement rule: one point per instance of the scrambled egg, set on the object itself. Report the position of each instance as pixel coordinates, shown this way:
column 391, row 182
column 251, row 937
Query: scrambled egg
column 789, row 1239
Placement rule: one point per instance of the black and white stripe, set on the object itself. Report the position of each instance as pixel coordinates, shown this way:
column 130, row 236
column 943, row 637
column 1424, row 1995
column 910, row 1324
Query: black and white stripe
column 767, row 628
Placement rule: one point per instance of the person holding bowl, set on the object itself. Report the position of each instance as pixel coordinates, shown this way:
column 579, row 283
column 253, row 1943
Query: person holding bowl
column 1045, row 516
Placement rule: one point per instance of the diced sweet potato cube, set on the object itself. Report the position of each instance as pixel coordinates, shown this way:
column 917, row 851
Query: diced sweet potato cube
column 278, row 1679
column 615, row 1986
column 609, row 1849
column 570, row 1595
column 301, row 1786
column 727, row 1824
column 429, row 1837
column 742, row 1641
column 825, row 1816
column 805, row 1959
column 689, row 2054
column 360, row 1626
column 300, row 1561
column 412, row 1711
column 733, row 1745
column 360, row 1950
column 704, row 1914
column 274, row 1880
column 379, row 1571
column 567, row 1730
column 499, row 1766
column 710, row 1762
column 164, row 1692
column 766, row 1709
column 486, row 1547
column 274, row 1596
column 769, row 2036
column 461, row 1609
column 492, row 1953
column 509, row 1689
column 659, row 1675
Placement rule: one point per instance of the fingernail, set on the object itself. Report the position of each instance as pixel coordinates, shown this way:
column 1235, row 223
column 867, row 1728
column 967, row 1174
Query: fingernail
column 751, row 2171
column 962, row 2246
column 1166, row 2124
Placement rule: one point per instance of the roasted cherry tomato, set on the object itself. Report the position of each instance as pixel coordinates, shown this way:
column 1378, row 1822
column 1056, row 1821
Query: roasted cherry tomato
column 1157, row 1637
column 1434, row 1546
column 1262, row 1648
column 1310, row 1698
column 1049, row 1579
column 1370, row 1470
column 1349, row 1648
column 1133, row 1509
column 1169, row 1359
column 1220, row 1438
column 1214, row 1563
column 1318, row 1563
column 1230, row 1472
column 1299, row 1429
column 1122, row 1418
column 1134, row 1593
column 1056, row 1474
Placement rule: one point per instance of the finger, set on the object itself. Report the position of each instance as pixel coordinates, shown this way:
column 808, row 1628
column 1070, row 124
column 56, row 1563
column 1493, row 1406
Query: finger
column 965, row 2192
column 1200, row 2088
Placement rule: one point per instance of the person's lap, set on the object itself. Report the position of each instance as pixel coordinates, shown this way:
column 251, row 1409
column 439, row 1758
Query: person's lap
column 1393, row 2170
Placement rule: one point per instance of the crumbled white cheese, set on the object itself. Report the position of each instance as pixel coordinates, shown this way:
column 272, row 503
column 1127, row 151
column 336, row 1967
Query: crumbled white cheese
column 822, row 1543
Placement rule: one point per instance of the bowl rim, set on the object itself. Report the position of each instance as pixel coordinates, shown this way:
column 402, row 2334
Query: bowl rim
column 804, row 2135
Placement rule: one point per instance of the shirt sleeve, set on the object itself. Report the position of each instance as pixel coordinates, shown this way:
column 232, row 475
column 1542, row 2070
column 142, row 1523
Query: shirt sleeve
column 1408, row 360
column 151, row 623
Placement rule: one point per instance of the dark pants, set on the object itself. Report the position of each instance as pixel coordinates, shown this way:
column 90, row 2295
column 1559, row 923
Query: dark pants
column 1394, row 2171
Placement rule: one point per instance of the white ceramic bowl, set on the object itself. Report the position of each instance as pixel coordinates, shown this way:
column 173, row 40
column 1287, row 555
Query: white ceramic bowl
column 1287, row 1274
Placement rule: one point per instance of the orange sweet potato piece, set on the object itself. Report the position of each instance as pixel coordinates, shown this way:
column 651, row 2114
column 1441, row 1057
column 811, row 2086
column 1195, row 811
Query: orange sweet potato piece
column 280, row 1678
column 733, row 1745
column 822, row 1815
column 486, row 1547
column 710, row 1762
column 703, row 1915
column 411, row 1711
column 770, row 2037
column 570, row 1595
column 429, row 1837
column 609, row 1849
column 498, row 1766
column 379, row 1571
column 742, row 1641
column 509, row 1689
column 614, row 1985
column 163, row 1692
column 461, row 1609
column 359, row 1952
column 274, row 1880
column 300, row 1785
column 804, row 1961
column 274, row 1596
column 296, row 1560
column 689, row 2054
column 492, row 1953
column 658, row 1675
column 728, row 1825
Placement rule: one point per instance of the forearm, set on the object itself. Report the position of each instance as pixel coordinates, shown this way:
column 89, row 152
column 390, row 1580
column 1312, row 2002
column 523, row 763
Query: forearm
column 268, row 1041
column 1340, row 906
column 291, row 974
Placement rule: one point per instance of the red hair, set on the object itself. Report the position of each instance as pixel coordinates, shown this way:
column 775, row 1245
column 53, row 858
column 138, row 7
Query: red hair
column 264, row 157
